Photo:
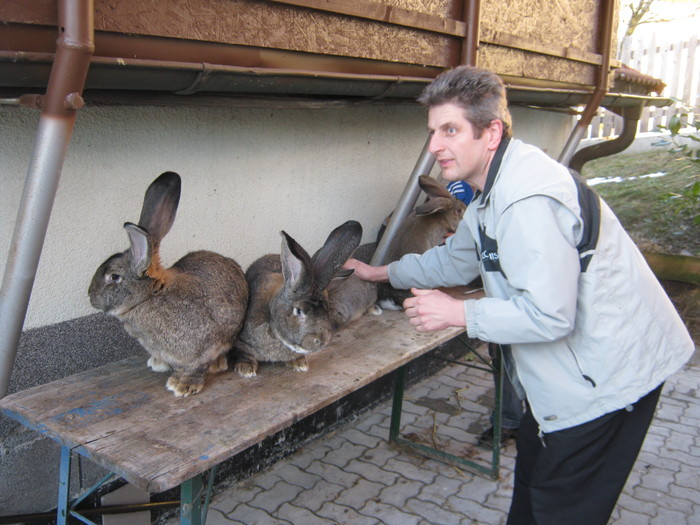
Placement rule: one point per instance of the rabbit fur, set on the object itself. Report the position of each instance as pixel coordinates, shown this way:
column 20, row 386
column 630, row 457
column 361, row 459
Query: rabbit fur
column 427, row 225
column 288, row 313
column 351, row 297
column 187, row 316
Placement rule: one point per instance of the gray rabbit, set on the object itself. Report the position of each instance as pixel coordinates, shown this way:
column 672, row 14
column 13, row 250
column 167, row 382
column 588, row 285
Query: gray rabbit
column 288, row 314
column 186, row 316
column 351, row 297
column 428, row 225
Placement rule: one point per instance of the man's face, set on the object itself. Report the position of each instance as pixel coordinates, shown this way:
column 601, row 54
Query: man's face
column 460, row 155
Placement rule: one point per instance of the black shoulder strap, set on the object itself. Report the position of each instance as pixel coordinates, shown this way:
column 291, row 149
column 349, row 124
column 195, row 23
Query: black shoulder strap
column 589, row 202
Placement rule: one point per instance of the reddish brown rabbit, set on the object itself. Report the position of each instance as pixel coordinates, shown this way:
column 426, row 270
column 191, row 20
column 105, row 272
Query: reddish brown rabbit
column 186, row 316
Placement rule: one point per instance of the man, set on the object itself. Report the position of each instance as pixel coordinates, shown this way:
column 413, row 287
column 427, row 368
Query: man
column 592, row 336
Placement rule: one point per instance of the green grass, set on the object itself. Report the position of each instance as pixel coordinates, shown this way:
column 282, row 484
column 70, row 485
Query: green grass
column 660, row 214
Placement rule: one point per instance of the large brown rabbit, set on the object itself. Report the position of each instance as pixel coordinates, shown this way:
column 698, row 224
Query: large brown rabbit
column 428, row 225
column 186, row 316
column 288, row 314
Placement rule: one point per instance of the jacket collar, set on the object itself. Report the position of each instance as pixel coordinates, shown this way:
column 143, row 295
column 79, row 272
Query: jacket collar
column 493, row 169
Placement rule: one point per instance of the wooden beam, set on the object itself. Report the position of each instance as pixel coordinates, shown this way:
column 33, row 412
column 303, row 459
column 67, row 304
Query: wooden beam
column 385, row 13
column 499, row 38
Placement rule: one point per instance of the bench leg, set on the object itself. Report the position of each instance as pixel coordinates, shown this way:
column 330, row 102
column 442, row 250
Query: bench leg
column 63, row 486
column 192, row 511
column 394, row 430
column 397, row 404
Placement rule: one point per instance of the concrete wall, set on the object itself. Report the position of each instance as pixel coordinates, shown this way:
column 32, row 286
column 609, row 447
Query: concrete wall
column 247, row 174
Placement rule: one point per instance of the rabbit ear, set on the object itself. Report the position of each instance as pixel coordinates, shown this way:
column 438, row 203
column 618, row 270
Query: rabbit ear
column 434, row 205
column 296, row 266
column 335, row 251
column 141, row 248
column 160, row 206
column 433, row 187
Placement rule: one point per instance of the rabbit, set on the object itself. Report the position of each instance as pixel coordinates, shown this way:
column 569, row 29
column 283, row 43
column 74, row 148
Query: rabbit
column 428, row 225
column 187, row 316
column 288, row 313
column 351, row 297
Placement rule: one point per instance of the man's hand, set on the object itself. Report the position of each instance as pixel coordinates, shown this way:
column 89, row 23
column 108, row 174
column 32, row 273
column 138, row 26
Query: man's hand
column 433, row 310
column 375, row 274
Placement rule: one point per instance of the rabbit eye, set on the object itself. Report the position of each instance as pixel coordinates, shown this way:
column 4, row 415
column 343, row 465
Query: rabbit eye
column 114, row 278
column 297, row 311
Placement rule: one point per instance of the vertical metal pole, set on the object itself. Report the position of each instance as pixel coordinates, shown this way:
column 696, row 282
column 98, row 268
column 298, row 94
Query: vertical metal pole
column 191, row 501
column 472, row 18
column 63, row 486
column 395, row 425
column 408, row 199
column 59, row 110
column 604, row 45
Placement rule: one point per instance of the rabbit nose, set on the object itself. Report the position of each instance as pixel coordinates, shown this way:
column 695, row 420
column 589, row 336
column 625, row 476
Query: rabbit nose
column 322, row 339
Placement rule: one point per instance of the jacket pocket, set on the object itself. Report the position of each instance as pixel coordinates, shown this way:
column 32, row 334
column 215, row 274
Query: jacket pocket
column 582, row 370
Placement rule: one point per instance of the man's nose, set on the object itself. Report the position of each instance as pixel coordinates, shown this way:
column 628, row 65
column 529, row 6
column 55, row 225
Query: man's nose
column 435, row 144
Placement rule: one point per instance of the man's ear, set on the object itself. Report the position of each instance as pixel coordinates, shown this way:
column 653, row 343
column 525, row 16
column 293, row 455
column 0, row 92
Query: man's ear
column 495, row 133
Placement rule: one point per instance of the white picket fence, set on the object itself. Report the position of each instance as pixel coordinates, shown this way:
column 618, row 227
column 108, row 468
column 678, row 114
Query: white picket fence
column 677, row 64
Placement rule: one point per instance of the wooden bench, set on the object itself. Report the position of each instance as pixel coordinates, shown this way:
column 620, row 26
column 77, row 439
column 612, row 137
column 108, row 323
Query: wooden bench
column 121, row 417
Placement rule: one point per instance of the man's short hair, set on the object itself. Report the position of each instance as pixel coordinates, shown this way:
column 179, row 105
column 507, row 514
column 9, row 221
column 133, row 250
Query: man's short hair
column 480, row 92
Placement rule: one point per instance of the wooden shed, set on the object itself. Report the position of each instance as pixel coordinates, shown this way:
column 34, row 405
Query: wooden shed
column 318, row 48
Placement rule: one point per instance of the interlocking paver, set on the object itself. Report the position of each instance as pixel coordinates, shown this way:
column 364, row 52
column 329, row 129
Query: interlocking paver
column 356, row 496
column 299, row 515
column 313, row 499
column 389, row 514
column 344, row 515
column 402, row 490
column 248, row 515
column 354, row 476
column 357, row 437
column 333, row 474
column 270, row 500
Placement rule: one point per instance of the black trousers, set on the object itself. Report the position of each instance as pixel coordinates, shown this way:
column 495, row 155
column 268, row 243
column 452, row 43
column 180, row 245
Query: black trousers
column 577, row 477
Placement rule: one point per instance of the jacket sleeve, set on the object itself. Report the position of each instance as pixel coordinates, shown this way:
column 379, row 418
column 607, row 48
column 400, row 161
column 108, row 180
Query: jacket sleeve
column 537, row 239
column 454, row 263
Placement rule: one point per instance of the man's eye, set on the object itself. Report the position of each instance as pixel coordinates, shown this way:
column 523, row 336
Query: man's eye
column 451, row 131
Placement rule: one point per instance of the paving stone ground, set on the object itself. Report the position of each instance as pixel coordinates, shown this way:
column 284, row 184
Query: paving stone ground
column 354, row 476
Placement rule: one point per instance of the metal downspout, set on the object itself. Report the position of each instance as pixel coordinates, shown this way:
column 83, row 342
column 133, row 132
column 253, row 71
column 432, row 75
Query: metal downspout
column 408, row 199
column 59, row 107
column 630, row 118
column 425, row 161
column 605, row 41
column 472, row 15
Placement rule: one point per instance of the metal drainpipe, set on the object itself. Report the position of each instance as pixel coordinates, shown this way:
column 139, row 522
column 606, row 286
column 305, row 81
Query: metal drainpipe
column 630, row 118
column 601, row 86
column 425, row 161
column 59, row 107
column 472, row 14
column 406, row 202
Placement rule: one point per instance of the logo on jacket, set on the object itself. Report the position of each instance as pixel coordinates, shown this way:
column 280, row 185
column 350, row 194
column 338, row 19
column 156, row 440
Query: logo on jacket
column 488, row 254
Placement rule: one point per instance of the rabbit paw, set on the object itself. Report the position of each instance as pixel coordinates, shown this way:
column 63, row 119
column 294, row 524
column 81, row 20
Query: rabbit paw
column 388, row 304
column 375, row 309
column 183, row 388
column 246, row 369
column 300, row 365
column 220, row 365
column 157, row 365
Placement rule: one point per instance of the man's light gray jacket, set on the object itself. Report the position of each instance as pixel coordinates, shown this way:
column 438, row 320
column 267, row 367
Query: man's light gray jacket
column 591, row 329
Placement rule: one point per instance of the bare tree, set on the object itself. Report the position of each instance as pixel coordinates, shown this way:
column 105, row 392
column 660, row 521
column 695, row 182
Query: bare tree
column 638, row 12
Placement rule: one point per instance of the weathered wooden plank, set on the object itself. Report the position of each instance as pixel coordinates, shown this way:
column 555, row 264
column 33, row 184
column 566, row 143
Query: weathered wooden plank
column 381, row 12
column 121, row 416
